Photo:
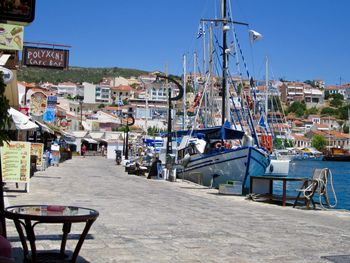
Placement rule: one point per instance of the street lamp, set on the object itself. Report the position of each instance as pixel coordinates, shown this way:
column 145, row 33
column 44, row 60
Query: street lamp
column 170, row 99
column 81, row 114
column 129, row 122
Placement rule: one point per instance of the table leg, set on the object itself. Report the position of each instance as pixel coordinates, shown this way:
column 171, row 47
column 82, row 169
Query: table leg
column 31, row 238
column 21, row 237
column 81, row 240
column 284, row 197
column 66, row 229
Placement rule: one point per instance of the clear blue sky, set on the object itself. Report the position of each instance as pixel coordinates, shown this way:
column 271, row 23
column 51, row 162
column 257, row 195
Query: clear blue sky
column 304, row 39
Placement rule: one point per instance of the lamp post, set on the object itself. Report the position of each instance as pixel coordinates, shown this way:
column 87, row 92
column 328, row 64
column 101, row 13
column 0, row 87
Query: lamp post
column 170, row 99
column 81, row 114
column 129, row 122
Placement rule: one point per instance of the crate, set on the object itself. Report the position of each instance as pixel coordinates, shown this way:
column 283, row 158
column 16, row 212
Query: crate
column 231, row 188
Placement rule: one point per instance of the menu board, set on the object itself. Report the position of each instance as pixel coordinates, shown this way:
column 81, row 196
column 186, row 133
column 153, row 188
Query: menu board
column 15, row 162
column 38, row 150
column 11, row 37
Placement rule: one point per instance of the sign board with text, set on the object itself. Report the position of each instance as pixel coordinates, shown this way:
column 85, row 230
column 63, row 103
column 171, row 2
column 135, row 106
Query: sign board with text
column 11, row 37
column 21, row 11
column 45, row 57
column 38, row 150
column 15, row 162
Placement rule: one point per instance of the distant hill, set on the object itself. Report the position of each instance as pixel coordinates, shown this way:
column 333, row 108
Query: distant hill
column 74, row 74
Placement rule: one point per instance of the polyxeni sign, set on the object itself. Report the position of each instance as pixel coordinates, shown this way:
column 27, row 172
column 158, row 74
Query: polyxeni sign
column 45, row 57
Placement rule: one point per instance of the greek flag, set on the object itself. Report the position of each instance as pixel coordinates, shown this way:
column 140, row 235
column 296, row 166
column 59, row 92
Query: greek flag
column 201, row 32
column 254, row 36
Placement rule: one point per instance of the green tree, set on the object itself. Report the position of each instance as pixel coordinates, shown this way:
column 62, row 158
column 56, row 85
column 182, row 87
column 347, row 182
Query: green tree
column 298, row 108
column 312, row 110
column 346, row 129
column 326, row 95
column 319, row 142
column 328, row 111
column 101, row 106
column 278, row 143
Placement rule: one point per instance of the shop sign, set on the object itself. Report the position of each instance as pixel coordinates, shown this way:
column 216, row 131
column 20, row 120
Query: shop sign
column 11, row 37
column 38, row 103
column 18, row 11
column 45, row 57
column 38, row 150
column 7, row 75
column 15, row 162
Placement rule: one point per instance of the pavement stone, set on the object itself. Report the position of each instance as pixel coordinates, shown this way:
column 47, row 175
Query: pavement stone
column 145, row 220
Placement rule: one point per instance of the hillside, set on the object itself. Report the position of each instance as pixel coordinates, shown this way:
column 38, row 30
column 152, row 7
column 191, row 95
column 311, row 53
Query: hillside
column 74, row 74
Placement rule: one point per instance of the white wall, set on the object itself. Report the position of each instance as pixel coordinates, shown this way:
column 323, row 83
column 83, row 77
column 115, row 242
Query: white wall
column 89, row 92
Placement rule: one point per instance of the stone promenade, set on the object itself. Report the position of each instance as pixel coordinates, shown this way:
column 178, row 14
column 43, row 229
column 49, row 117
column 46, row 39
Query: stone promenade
column 158, row 221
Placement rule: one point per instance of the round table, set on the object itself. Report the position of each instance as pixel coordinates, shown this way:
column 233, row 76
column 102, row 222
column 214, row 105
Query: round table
column 24, row 215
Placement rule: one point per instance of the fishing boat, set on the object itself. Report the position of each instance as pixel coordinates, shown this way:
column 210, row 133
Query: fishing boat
column 226, row 152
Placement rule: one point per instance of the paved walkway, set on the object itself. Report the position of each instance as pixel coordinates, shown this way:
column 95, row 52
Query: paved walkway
column 157, row 221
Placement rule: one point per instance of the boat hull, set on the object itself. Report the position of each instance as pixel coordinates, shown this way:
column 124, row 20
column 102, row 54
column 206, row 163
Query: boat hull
column 234, row 164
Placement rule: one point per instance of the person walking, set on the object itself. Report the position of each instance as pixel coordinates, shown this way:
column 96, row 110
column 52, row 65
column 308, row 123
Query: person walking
column 103, row 150
column 83, row 150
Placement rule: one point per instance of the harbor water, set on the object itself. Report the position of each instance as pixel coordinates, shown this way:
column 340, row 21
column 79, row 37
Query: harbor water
column 341, row 179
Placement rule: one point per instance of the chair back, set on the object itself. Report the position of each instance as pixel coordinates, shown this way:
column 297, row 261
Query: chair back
column 320, row 174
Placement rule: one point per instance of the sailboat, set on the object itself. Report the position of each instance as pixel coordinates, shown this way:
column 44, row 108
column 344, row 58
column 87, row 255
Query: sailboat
column 206, row 155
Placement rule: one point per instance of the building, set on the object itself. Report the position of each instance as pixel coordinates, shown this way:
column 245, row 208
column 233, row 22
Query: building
column 89, row 92
column 313, row 97
column 69, row 88
column 103, row 94
column 292, row 91
column 121, row 93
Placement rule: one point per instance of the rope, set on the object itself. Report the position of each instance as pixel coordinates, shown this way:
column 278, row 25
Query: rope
column 320, row 183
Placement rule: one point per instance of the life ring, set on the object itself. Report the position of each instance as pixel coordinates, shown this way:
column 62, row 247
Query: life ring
column 218, row 145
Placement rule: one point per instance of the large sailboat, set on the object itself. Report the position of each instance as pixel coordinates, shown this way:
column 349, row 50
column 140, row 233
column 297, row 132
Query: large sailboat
column 229, row 152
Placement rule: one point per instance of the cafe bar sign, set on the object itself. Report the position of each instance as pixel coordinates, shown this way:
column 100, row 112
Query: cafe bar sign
column 45, row 57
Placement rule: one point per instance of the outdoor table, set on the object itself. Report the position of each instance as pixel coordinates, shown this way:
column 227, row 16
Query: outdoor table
column 264, row 185
column 24, row 215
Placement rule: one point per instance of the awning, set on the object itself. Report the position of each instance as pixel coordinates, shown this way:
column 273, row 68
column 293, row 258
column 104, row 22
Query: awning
column 90, row 140
column 21, row 121
column 44, row 128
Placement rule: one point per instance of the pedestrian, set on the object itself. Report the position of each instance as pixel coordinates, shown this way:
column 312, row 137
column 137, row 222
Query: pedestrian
column 103, row 150
column 83, row 150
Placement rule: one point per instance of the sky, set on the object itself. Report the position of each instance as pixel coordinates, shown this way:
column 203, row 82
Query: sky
column 303, row 39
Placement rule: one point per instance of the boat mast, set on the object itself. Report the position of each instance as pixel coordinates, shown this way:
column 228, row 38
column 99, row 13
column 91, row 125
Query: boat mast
column 184, row 97
column 211, row 70
column 224, row 59
column 267, row 85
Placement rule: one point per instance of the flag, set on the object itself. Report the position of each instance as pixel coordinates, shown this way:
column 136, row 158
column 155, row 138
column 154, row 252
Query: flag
column 254, row 36
column 261, row 122
column 201, row 32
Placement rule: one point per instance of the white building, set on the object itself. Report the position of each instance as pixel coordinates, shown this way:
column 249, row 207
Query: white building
column 89, row 92
column 103, row 94
column 68, row 88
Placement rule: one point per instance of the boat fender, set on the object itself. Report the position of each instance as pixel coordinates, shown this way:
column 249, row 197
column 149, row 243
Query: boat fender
column 247, row 140
column 218, row 145
column 271, row 168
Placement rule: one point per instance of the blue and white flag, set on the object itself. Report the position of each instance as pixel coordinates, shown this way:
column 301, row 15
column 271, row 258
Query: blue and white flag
column 201, row 31
column 254, row 36
column 262, row 122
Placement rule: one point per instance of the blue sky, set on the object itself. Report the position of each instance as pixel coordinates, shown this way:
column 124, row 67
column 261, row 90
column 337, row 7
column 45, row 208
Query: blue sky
column 304, row 39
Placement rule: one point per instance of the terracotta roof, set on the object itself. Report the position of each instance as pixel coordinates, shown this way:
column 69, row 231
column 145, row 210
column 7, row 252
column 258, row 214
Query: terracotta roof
column 321, row 126
column 122, row 88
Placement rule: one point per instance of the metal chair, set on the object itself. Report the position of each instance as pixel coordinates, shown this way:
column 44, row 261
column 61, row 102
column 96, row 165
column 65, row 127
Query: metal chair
column 309, row 187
